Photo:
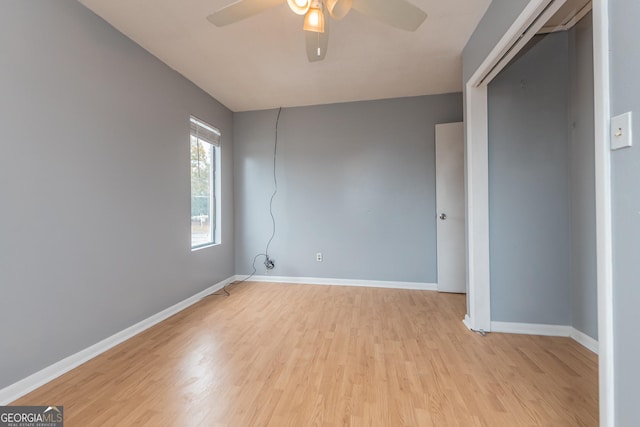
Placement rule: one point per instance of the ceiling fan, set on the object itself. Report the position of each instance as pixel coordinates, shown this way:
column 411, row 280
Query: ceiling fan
column 397, row 13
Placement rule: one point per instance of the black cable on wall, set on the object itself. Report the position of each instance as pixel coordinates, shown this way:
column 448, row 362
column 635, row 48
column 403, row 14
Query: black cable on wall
column 268, row 262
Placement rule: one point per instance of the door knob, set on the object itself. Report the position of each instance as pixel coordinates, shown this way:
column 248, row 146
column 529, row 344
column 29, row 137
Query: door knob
column 443, row 216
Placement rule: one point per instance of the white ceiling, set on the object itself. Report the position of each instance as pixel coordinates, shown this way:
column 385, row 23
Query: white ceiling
column 261, row 62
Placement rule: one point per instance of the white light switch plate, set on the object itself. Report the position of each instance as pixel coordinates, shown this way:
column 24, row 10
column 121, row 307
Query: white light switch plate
column 621, row 135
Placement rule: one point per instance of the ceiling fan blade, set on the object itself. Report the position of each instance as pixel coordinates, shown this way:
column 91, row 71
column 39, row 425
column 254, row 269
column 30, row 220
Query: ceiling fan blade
column 240, row 10
column 397, row 13
column 317, row 43
column 338, row 9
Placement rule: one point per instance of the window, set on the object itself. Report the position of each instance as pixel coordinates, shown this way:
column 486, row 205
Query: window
column 205, row 184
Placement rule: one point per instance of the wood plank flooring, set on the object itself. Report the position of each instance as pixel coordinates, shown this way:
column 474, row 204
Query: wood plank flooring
column 299, row 355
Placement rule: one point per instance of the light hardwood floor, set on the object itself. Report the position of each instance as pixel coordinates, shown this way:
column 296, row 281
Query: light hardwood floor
column 298, row 355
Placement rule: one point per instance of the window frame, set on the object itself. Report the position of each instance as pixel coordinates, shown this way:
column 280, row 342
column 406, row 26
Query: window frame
column 204, row 133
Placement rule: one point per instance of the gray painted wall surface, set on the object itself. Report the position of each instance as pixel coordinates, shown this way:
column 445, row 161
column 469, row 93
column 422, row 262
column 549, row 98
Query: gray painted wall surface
column 496, row 21
column 625, row 168
column 584, row 297
column 356, row 182
column 94, row 177
column 528, row 186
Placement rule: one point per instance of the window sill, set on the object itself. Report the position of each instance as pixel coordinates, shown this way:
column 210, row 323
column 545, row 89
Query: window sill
column 207, row 246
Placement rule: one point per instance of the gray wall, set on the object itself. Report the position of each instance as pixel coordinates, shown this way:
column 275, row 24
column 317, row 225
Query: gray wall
column 529, row 217
column 356, row 182
column 625, row 168
column 496, row 21
column 584, row 296
column 94, row 177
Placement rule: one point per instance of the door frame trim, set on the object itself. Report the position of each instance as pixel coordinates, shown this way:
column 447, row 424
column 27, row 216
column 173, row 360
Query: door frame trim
column 604, row 233
column 477, row 157
column 477, row 194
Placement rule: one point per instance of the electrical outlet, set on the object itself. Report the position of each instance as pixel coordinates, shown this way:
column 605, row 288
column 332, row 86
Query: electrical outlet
column 319, row 257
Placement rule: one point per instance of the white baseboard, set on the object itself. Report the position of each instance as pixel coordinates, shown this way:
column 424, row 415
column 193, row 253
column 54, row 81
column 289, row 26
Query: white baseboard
column 26, row 385
column 531, row 329
column 585, row 340
column 467, row 322
column 343, row 282
column 547, row 330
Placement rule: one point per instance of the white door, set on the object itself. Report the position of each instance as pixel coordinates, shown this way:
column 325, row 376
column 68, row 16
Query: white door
column 450, row 207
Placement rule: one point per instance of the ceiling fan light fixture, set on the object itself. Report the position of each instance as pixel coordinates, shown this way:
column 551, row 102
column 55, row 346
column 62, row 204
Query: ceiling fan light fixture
column 314, row 19
column 299, row 7
column 338, row 9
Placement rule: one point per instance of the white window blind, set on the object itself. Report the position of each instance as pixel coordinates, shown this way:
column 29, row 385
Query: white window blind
column 204, row 132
